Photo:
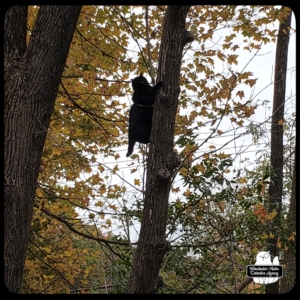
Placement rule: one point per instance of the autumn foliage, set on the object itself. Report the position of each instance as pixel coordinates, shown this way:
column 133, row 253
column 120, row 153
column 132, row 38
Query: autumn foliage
column 89, row 199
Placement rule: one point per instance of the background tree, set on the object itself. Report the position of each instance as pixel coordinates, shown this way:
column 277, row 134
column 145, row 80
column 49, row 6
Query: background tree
column 289, row 257
column 276, row 163
column 32, row 75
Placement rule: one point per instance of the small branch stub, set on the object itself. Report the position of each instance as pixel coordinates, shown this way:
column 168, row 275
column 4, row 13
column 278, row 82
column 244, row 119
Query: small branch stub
column 173, row 161
column 188, row 37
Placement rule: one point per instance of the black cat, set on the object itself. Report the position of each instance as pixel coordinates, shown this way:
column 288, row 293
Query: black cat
column 141, row 112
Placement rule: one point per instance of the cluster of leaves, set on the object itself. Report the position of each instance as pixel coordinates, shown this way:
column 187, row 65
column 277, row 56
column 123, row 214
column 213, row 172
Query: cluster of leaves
column 60, row 261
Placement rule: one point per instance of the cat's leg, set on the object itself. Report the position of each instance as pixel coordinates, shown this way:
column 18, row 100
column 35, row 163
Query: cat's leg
column 157, row 87
column 137, row 133
column 154, row 92
column 140, row 134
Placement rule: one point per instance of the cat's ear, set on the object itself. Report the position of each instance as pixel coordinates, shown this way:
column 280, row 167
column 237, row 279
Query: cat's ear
column 141, row 74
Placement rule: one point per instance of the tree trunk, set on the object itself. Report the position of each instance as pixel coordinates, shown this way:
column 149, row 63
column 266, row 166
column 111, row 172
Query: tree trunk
column 152, row 244
column 32, row 76
column 289, row 258
column 275, row 190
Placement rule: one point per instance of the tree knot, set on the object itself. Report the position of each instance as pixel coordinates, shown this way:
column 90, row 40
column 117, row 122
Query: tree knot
column 164, row 173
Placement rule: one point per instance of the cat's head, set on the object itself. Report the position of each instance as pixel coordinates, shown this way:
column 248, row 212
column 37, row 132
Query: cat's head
column 139, row 83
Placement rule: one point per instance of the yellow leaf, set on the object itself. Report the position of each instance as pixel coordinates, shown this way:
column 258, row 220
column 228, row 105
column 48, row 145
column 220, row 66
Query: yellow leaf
column 46, row 249
column 199, row 218
column 232, row 59
column 101, row 168
column 137, row 182
column 43, row 220
column 102, row 189
column 240, row 94
column 280, row 122
column 183, row 171
column 56, row 150
column 175, row 190
column 271, row 235
column 221, row 205
column 39, row 193
column 242, row 180
column 187, row 193
column 115, row 169
column 240, row 123
column 292, row 237
column 220, row 55
column 114, row 207
column 251, row 82
column 201, row 168
column 271, row 215
column 235, row 47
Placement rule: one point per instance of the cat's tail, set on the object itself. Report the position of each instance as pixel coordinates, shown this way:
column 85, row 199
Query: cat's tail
column 130, row 148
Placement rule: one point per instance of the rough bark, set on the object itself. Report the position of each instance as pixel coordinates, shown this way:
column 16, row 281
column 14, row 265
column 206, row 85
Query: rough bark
column 152, row 244
column 289, row 258
column 275, row 190
column 32, row 76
